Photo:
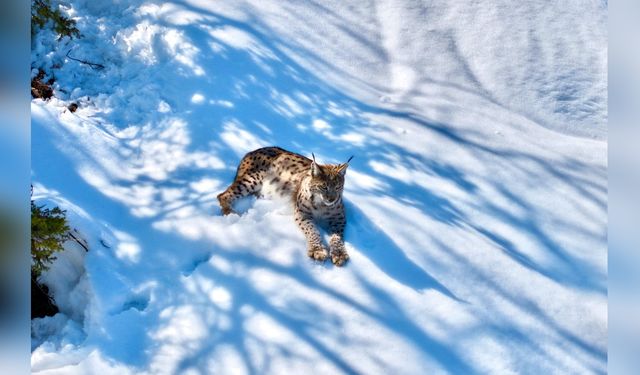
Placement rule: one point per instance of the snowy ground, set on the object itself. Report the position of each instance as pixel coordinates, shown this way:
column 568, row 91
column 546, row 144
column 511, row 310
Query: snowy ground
column 477, row 198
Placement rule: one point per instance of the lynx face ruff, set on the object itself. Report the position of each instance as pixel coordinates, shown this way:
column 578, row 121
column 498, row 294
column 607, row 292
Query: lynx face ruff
column 315, row 190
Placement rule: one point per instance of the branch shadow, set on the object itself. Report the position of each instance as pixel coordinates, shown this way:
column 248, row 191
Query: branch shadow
column 305, row 318
column 274, row 100
column 386, row 255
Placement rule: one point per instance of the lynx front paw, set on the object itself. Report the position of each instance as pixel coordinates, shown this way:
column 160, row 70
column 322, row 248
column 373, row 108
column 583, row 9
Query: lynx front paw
column 317, row 252
column 339, row 257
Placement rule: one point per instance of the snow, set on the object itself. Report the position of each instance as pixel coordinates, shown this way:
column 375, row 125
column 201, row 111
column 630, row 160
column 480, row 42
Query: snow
column 476, row 200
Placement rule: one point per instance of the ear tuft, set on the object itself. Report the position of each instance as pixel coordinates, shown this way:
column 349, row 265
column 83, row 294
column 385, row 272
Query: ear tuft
column 315, row 169
column 342, row 168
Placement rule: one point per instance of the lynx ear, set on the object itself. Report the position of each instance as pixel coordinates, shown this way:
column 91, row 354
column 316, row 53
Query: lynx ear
column 342, row 169
column 315, row 168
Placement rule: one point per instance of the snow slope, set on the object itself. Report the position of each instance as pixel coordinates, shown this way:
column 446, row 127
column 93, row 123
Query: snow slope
column 476, row 200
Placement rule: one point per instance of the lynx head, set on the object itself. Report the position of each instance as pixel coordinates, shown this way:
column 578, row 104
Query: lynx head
column 327, row 181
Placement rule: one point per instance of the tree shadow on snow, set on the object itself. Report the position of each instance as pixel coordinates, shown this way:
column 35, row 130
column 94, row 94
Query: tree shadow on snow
column 307, row 319
column 255, row 98
column 373, row 243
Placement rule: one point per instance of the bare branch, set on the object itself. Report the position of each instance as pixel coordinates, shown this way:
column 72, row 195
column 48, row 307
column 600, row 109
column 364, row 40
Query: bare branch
column 91, row 64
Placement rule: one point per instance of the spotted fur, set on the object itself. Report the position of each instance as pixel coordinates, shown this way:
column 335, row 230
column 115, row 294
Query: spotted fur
column 315, row 190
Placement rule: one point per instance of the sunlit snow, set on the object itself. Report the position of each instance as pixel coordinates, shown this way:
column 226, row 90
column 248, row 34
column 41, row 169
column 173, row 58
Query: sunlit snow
column 476, row 200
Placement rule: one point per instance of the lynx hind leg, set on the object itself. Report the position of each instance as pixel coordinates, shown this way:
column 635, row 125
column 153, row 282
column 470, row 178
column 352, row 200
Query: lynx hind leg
column 244, row 185
column 226, row 199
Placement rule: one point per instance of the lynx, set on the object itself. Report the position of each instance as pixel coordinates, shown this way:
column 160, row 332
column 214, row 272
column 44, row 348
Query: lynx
column 315, row 190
